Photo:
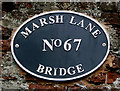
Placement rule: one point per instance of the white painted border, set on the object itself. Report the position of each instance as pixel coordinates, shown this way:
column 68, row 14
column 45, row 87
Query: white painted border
column 60, row 79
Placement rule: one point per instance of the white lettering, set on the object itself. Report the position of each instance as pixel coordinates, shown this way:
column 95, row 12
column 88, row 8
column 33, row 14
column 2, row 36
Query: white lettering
column 55, row 71
column 48, row 44
column 81, row 23
column 62, row 71
column 52, row 21
column 40, row 68
column 48, row 70
column 90, row 27
column 35, row 26
column 71, row 21
column 79, row 42
column 43, row 21
column 79, row 68
column 59, row 43
column 95, row 33
column 26, row 33
column 59, row 18
column 73, row 72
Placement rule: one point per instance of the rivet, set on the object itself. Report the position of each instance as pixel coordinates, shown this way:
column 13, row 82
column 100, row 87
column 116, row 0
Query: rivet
column 1, row 65
column 103, row 44
column 17, row 45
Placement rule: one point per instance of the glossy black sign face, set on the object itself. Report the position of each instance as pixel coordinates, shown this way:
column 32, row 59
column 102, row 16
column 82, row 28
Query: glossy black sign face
column 60, row 45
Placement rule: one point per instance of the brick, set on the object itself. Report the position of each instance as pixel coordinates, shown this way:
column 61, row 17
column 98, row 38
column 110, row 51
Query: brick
column 0, row 64
column 59, row 88
column 41, row 87
column 98, row 88
column 29, row 5
column 6, row 33
column 83, row 5
column 109, row 61
column 4, row 45
column 22, row 73
column 9, row 78
column 111, row 18
column 5, row 6
column 0, row 72
column 111, row 77
column 115, row 89
column 101, row 77
column 109, row 7
column 31, row 78
column 116, row 63
column 97, row 78
column 112, row 63
column 74, row 88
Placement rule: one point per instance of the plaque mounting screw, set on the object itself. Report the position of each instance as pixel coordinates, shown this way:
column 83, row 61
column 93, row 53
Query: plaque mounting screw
column 16, row 45
column 103, row 44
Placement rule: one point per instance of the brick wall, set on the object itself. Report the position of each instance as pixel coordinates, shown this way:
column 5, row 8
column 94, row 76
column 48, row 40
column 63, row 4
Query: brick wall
column 14, row 14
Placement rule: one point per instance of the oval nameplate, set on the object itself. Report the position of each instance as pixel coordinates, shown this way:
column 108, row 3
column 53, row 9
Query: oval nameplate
column 60, row 45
